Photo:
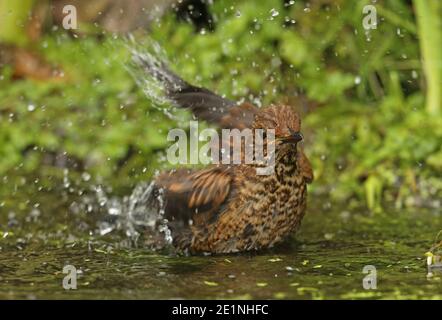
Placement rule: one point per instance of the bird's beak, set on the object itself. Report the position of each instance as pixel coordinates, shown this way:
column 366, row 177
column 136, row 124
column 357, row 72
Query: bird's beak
column 294, row 138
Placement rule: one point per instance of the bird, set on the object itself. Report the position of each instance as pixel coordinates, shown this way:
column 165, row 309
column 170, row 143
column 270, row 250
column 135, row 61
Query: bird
column 229, row 208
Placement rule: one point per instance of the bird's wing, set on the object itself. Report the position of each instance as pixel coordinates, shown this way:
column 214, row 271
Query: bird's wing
column 203, row 103
column 196, row 195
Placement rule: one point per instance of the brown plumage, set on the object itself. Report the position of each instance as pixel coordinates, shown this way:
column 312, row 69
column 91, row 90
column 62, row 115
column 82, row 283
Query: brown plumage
column 229, row 208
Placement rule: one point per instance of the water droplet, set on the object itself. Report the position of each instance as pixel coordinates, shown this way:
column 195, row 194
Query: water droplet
column 290, row 3
column 274, row 12
column 105, row 228
column 34, row 214
column 85, row 176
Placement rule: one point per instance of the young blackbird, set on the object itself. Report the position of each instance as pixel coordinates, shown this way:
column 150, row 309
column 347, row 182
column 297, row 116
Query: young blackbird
column 229, row 208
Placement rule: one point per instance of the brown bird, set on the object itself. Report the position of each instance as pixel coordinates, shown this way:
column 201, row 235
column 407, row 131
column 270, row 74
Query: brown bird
column 229, row 208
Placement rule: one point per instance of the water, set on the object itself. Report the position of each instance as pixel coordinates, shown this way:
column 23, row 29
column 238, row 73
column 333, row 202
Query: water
column 137, row 215
column 151, row 54
column 324, row 260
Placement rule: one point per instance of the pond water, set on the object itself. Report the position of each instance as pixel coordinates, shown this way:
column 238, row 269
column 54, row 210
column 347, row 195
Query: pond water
column 41, row 231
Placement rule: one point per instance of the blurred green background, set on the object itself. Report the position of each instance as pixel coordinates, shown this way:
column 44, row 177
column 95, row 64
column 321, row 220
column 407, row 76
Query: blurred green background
column 370, row 100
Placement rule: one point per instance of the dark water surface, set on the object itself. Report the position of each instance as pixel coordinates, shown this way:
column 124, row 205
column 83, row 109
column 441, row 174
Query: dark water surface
column 41, row 232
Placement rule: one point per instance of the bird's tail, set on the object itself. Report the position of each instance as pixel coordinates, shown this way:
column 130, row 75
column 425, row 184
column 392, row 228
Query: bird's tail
column 151, row 71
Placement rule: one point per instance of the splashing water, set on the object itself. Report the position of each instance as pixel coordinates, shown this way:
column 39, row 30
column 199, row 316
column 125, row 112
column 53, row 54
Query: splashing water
column 150, row 52
column 140, row 214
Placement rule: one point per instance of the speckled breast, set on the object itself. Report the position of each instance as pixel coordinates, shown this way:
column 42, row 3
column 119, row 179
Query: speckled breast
column 267, row 210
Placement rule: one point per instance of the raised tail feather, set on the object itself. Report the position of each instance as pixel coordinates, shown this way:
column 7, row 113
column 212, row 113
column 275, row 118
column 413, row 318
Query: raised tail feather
column 204, row 103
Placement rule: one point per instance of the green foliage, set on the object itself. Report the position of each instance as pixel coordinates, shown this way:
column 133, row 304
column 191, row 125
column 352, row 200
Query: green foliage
column 13, row 16
column 314, row 48
column 95, row 115
column 368, row 135
column 391, row 151
column 430, row 31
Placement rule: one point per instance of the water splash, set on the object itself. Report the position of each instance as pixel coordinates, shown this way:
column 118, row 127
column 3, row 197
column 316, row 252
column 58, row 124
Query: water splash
column 152, row 53
column 140, row 215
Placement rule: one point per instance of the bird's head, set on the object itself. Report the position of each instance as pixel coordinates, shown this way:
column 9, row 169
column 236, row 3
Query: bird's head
column 286, row 123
